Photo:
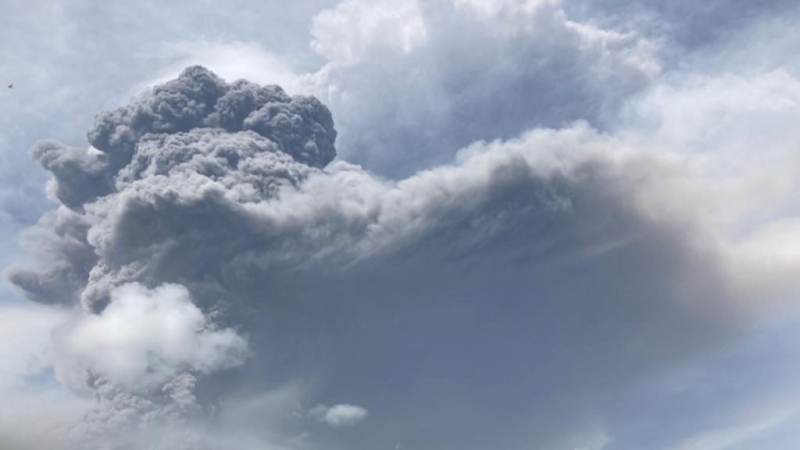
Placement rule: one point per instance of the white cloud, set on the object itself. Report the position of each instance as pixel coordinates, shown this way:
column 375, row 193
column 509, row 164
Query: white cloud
column 777, row 241
column 345, row 33
column 731, row 113
column 541, row 20
column 343, row 415
column 230, row 60
column 410, row 84
column 145, row 337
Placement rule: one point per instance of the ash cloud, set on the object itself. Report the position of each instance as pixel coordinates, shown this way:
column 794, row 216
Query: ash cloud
column 337, row 275
column 196, row 131
column 182, row 160
column 198, row 100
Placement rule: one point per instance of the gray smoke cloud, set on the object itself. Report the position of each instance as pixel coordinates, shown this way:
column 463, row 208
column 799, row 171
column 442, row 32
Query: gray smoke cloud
column 247, row 138
column 192, row 152
column 301, row 127
column 206, row 215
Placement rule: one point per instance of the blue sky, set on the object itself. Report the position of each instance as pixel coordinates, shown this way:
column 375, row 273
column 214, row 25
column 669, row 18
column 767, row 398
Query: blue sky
column 549, row 224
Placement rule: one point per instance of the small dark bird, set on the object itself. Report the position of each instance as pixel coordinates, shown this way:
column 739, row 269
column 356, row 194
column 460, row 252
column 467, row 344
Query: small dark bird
column 10, row 86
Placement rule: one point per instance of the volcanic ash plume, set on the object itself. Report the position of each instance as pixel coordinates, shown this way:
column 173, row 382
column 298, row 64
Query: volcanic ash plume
column 164, row 187
column 204, row 236
column 191, row 153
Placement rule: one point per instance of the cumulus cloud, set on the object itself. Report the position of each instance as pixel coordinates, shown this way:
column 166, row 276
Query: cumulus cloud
column 347, row 32
column 342, row 415
column 481, row 70
column 143, row 338
column 231, row 60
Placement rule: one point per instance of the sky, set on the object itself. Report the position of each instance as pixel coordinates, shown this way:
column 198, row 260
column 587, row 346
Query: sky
column 405, row 224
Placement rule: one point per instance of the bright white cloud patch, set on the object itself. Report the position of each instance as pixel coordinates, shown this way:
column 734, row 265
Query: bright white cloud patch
column 145, row 337
column 231, row 60
column 344, row 34
column 343, row 415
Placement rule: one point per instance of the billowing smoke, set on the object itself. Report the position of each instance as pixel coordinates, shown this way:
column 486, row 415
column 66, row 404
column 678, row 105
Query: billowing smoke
column 206, row 239
column 162, row 195
column 194, row 144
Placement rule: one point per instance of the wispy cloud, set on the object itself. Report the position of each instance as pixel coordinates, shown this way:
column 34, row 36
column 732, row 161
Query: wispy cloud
column 343, row 415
